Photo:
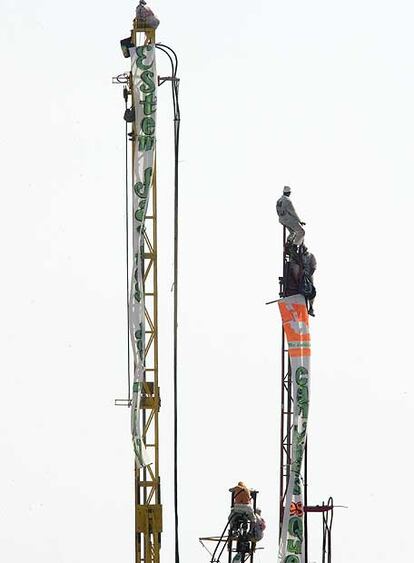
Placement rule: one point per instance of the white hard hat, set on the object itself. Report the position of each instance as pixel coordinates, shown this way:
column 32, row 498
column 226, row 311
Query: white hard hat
column 286, row 190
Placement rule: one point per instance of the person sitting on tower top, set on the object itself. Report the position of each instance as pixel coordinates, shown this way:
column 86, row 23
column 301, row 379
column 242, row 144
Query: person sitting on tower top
column 289, row 218
column 145, row 16
column 242, row 501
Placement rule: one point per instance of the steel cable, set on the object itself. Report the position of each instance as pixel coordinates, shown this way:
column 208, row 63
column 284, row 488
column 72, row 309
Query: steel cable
column 176, row 108
column 127, row 243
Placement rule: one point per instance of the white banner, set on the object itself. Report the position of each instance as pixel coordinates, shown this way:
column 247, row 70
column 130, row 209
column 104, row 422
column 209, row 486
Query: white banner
column 296, row 326
column 144, row 92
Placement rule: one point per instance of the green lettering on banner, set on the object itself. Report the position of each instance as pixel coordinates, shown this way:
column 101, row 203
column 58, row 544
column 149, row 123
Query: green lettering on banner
column 294, row 546
column 298, row 455
column 302, row 397
column 297, row 486
column 298, row 450
column 137, row 295
column 150, row 104
column 296, row 527
column 298, row 376
column 141, row 55
column 145, row 143
column 141, row 188
column 138, row 333
column 148, row 126
column 302, row 393
column 147, row 78
column 291, row 559
column 138, row 337
column 299, row 437
column 140, row 213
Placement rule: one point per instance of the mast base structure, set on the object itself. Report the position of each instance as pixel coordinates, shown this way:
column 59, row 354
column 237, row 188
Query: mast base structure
column 293, row 486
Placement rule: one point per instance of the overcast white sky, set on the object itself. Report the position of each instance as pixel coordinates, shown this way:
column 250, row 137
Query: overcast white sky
column 318, row 95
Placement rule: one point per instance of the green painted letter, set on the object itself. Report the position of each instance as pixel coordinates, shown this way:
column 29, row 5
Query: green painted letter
column 140, row 51
column 147, row 78
column 145, row 143
column 150, row 104
column 296, row 527
column 299, row 380
column 294, row 546
column 148, row 125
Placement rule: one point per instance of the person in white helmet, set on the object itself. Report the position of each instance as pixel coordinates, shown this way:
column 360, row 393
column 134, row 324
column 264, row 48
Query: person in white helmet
column 289, row 218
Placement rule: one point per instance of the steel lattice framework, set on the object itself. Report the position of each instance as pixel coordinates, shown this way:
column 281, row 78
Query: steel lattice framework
column 286, row 440
column 148, row 508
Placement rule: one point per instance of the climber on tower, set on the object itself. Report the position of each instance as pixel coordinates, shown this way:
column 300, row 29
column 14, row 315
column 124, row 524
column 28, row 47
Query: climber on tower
column 289, row 218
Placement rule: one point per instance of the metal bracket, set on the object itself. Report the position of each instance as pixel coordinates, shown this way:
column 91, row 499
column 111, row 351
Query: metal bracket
column 162, row 79
column 123, row 402
column 121, row 78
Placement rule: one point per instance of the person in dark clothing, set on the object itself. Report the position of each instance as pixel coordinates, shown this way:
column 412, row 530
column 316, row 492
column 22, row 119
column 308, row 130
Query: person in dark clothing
column 299, row 274
column 309, row 267
column 258, row 526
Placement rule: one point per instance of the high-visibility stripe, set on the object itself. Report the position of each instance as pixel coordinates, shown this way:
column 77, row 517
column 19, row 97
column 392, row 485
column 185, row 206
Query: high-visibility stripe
column 299, row 344
column 297, row 352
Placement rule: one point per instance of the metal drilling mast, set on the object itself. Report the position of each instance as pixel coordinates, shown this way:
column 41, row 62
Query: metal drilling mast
column 148, row 508
column 294, row 442
column 140, row 114
column 140, row 95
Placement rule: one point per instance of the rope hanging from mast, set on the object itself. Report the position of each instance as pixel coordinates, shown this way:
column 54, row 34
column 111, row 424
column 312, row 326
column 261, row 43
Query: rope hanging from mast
column 176, row 107
column 126, row 94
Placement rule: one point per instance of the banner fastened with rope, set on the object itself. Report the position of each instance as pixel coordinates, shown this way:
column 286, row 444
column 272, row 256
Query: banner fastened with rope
column 295, row 321
column 144, row 94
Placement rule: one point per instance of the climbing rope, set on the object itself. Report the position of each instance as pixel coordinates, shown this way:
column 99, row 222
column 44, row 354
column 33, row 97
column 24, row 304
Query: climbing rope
column 126, row 93
column 176, row 108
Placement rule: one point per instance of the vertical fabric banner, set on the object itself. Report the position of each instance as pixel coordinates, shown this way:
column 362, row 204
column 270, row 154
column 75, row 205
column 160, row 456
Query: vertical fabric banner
column 296, row 326
column 144, row 94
